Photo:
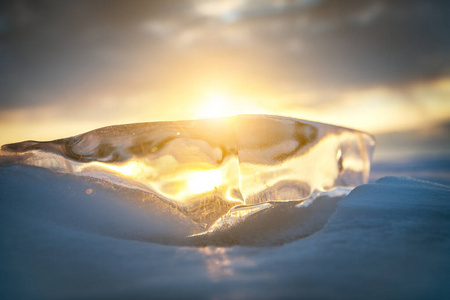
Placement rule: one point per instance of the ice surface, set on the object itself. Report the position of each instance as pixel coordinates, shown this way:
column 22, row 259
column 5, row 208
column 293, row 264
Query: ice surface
column 217, row 172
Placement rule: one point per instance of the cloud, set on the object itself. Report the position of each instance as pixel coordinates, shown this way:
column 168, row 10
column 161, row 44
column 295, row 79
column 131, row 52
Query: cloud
column 379, row 109
column 311, row 52
column 348, row 44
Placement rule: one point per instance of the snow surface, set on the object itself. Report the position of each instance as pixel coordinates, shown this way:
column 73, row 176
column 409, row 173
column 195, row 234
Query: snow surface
column 60, row 240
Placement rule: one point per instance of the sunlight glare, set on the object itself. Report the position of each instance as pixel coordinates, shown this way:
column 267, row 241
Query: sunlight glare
column 216, row 104
column 130, row 169
column 204, row 181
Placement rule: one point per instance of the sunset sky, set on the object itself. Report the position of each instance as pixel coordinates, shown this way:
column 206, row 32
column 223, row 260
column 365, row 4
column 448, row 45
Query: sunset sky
column 67, row 67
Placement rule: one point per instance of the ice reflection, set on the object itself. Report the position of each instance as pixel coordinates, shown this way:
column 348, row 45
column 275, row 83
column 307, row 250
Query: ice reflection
column 221, row 266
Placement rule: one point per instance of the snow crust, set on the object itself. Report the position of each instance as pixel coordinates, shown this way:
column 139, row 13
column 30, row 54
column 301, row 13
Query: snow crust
column 385, row 240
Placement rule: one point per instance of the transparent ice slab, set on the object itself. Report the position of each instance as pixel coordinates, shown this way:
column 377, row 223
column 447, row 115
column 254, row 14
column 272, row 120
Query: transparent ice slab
column 216, row 171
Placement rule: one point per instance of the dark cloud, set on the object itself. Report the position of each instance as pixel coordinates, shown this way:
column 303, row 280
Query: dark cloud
column 51, row 49
column 62, row 47
column 407, row 40
column 362, row 43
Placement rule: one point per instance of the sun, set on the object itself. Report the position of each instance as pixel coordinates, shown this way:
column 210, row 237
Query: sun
column 216, row 104
column 220, row 103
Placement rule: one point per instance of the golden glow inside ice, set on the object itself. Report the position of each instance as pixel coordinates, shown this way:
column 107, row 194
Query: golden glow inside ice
column 129, row 169
column 339, row 154
column 190, row 182
column 204, row 181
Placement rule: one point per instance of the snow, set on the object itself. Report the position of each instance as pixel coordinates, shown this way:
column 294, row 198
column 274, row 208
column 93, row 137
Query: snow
column 386, row 240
